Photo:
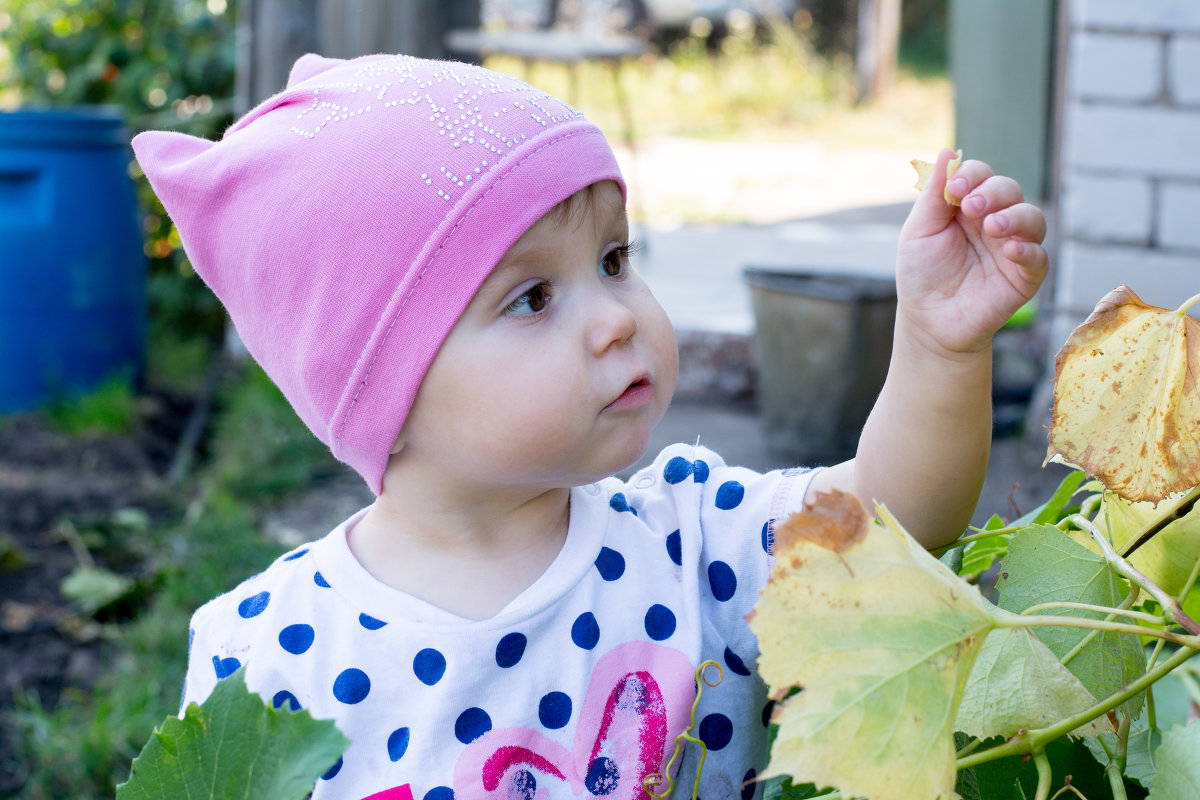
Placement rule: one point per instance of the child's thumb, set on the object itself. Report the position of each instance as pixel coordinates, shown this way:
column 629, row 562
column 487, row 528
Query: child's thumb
column 931, row 212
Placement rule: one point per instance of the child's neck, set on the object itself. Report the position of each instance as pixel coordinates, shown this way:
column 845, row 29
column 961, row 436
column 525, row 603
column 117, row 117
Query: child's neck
column 471, row 559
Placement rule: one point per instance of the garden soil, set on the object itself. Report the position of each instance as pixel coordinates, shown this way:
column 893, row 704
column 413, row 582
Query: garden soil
column 52, row 487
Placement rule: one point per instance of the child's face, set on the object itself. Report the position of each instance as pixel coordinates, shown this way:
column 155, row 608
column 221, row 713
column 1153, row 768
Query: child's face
column 560, row 367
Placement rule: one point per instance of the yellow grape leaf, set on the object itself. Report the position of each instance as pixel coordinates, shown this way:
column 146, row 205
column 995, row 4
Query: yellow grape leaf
column 1168, row 558
column 925, row 172
column 881, row 636
column 1126, row 400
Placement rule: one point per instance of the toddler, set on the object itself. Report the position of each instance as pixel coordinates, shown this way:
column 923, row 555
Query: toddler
column 432, row 262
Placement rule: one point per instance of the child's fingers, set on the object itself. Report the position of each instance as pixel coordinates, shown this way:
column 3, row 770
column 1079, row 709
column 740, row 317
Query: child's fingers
column 931, row 213
column 993, row 194
column 1021, row 221
column 1032, row 259
column 970, row 175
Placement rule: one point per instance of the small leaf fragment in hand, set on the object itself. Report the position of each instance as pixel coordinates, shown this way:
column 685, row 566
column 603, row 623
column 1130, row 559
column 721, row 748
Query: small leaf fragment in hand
column 1126, row 399
column 925, row 172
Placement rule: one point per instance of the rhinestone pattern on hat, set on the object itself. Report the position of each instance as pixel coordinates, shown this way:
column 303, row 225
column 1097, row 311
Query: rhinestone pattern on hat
column 482, row 114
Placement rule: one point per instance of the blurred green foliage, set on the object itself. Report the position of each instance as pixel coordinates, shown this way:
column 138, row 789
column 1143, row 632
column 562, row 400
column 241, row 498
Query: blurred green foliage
column 169, row 64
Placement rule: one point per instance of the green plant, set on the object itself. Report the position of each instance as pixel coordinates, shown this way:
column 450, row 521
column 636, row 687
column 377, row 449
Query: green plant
column 916, row 685
column 110, row 408
column 82, row 746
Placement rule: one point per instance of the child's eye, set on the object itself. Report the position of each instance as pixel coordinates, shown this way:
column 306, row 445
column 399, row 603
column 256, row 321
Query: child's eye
column 614, row 260
column 531, row 302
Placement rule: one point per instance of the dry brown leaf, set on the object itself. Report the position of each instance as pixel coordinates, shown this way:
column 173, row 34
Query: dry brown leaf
column 1126, row 399
column 925, row 172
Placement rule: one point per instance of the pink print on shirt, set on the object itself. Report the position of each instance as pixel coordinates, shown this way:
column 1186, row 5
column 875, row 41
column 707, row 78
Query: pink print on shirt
column 638, row 701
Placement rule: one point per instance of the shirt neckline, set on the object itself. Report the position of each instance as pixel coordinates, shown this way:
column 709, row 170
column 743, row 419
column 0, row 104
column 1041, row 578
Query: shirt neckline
column 345, row 575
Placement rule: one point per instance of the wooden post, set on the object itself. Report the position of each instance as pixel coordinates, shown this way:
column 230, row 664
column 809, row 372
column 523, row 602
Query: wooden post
column 878, row 46
column 272, row 34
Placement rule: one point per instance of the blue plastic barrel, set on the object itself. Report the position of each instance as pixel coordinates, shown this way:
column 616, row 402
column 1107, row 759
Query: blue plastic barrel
column 72, row 268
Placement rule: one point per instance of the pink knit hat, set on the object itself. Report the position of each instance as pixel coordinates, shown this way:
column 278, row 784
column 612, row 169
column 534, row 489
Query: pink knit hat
column 347, row 222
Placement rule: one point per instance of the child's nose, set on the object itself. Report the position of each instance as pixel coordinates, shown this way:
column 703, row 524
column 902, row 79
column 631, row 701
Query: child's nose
column 611, row 322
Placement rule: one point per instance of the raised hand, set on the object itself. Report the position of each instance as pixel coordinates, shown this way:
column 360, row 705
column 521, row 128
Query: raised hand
column 963, row 271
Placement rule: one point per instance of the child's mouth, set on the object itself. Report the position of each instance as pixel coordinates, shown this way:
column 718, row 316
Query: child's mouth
column 638, row 394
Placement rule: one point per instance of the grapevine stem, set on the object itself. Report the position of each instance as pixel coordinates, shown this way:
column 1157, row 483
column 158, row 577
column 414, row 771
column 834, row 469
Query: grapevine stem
column 975, row 537
column 1123, row 568
column 1029, row 741
column 1042, row 761
column 1112, row 612
column 969, row 747
column 1191, row 301
column 1116, row 763
column 1148, row 531
column 1038, row 620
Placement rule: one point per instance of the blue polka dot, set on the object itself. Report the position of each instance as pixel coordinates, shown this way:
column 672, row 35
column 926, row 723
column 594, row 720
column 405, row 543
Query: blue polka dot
column 735, row 663
column 332, row 772
column 716, row 730
column 675, row 547
column 619, row 503
column 370, row 623
column 610, row 563
column 522, row 786
column 297, row 638
column 766, row 713
column 440, row 793
column 554, row 710
column 586, row 631
column 678, row 470
column 284, row 696
column 224, row 667
column 319, row 580
column 660, row 622
column 699, row 471
column 295, row 555
column 429, row 666
column 721, row 580
column 471, row 724
column 730, row 495
column 748, row 784
column 510, row 649
column 351, row 686
column 254, row 605
column 767, row 538
column 397, row 744
column 602, row 776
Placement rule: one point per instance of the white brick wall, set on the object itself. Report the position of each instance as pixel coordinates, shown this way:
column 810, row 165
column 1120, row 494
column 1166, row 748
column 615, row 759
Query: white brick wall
column 1163, row 16
column 1113, row 66
column 1129, row 155
column 1179, row 222
column 1183, row 67
column 1107, row 209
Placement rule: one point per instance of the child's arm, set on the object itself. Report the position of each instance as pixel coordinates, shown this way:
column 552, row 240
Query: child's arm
column 961, row 273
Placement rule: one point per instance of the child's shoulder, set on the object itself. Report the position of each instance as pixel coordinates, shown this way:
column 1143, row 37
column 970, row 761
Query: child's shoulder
column 289, row 577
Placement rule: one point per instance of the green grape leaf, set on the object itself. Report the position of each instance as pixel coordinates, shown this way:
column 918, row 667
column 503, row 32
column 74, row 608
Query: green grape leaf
column 234, row 746
column 1045, row 565
column 1168, row 558
column 1018, row 683
column 1178, row 776
column 1051, row 511
column 882, row 637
